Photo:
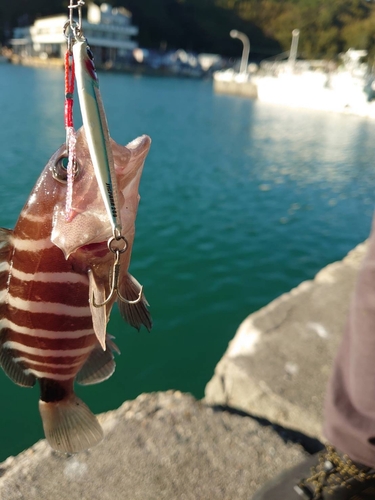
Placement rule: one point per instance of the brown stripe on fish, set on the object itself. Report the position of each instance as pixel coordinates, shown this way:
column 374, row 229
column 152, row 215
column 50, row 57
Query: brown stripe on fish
column 48, row 321
column 3, row 310
column 58, row 360
column 34, row 226
column 47, row 334
column 58, row 308
column 49, row 363
column 38, row 345
column 39, row 260
column 52, row 373
column 43, row 363
column 69, row 294
column 51, row 370
column 18, row 350
column 24, row 355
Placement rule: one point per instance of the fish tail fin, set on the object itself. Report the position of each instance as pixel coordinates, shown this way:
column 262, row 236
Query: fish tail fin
column 69, row 425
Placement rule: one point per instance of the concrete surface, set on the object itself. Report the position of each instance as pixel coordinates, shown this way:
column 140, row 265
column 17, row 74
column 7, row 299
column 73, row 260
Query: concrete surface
column 279, row 361
column 244, row 89
column 159, row 446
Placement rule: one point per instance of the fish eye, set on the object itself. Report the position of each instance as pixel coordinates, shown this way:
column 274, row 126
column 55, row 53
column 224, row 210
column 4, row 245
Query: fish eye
column 60, row 169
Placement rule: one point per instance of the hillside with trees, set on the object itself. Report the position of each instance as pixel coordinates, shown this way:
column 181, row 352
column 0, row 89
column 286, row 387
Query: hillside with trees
column 327, row 27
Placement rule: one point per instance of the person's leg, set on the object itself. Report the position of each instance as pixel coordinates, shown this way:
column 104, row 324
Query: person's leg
column 346, row 470
column 350, row 404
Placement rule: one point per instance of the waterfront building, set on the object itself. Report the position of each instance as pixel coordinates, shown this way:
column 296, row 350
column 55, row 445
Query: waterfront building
column 108, row 30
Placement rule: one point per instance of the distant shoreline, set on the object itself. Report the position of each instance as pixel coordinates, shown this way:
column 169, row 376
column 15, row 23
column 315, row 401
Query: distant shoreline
column 55, row 62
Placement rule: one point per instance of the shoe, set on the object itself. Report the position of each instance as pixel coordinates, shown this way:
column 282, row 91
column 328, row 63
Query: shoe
column 327, row 475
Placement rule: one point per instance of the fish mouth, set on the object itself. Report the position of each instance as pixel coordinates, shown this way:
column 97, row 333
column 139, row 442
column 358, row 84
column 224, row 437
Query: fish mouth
column 87, row 232
column 97, row 249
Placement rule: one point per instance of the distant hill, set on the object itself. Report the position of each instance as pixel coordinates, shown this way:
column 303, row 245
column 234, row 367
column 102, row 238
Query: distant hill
column 197, row 25
column 327, row 27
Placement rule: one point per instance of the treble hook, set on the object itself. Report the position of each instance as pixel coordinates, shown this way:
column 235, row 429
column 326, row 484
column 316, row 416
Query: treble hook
column 115, row 274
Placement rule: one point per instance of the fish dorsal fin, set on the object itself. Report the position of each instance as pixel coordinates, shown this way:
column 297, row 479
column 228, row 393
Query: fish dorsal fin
column 5, row 244
column 99, row 314
column 14, row 370
column 135, row 314
column 99, row 365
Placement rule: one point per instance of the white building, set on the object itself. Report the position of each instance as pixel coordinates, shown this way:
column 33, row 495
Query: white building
column 108, row 31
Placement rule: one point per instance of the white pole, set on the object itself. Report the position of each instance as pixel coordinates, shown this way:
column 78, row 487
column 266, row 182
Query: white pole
column 246, row 49
column 293, row 49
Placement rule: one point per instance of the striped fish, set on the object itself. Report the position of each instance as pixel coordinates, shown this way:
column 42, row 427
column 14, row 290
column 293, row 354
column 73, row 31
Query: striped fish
column 50, row 268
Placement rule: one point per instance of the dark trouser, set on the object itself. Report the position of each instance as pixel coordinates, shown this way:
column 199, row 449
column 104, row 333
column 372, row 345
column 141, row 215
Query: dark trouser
column 350, row 405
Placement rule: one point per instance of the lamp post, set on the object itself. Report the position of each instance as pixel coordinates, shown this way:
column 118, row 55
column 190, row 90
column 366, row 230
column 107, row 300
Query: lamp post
column 246, row 49
column 293, row 49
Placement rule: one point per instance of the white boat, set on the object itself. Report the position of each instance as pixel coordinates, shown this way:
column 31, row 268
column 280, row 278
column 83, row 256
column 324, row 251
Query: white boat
column 305, row 85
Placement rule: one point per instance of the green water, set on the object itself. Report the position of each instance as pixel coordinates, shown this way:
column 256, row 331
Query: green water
column 240, row 202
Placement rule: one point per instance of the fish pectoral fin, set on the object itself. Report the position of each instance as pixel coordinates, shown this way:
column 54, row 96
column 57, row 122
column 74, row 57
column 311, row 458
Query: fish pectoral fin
column 14, row 370
column 69, row 425
column 5, row 235
column 135, row 314
column 99, row 365
column 99, row 314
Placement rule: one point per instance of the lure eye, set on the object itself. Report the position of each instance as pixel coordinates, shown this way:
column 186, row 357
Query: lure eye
column 60, row 169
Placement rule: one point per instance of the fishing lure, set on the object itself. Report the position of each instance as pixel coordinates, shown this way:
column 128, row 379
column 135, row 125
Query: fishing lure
column 98, row 140
column 96, row 128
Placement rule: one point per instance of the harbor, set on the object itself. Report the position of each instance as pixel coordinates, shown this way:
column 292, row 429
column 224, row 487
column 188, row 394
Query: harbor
column 250, row 177
column 113, row 40
column 344, row 87
column 253, row 149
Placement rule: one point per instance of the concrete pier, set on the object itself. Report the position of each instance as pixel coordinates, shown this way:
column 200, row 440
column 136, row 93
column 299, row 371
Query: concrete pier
column 278, row 364
column 245, row 89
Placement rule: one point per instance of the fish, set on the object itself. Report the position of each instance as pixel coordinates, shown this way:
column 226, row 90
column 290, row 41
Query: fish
column 52, row 268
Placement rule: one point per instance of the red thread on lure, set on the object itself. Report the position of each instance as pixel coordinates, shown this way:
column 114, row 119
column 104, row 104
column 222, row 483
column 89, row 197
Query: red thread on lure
column 69, row 88
column 70, row 132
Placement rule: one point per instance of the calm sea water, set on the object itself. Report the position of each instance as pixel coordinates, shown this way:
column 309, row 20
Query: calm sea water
column 240, row 203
